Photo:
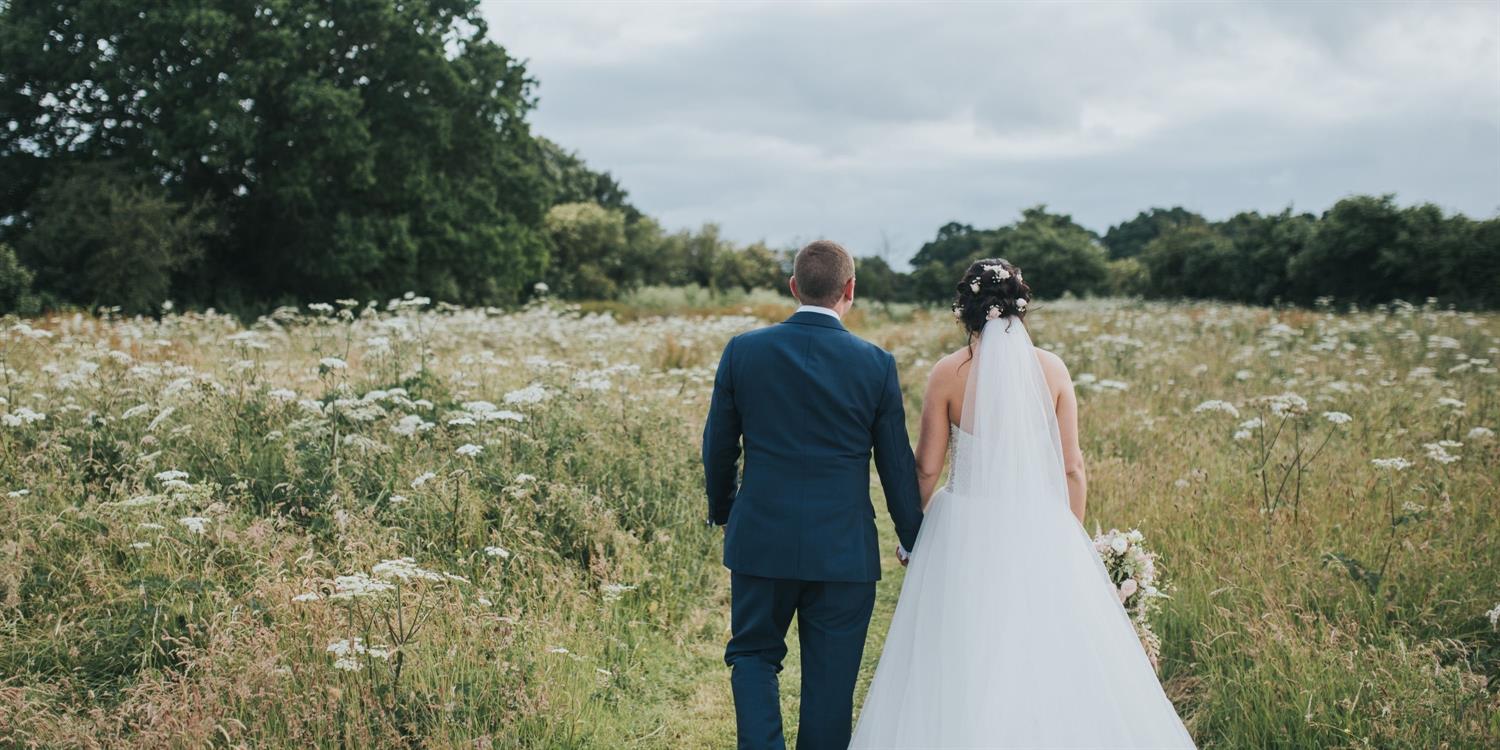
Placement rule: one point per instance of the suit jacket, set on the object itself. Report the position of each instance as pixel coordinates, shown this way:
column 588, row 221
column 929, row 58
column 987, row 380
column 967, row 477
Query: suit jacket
column 809, row 402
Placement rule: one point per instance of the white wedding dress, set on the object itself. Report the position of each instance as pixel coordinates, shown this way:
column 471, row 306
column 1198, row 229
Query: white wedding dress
column 1008, row 633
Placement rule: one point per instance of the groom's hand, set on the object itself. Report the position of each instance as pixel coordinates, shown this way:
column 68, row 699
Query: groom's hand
column 902, row 555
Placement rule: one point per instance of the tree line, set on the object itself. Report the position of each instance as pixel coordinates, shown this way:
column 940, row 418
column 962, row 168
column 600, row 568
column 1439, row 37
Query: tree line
column 244, row 154
column 1364, row 250
column 247, row 154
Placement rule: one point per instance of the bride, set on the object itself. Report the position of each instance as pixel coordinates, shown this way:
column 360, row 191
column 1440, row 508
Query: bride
column 1008, row 633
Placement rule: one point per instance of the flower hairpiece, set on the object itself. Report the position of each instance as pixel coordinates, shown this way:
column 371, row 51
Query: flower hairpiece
column 974, row 286
column 998, row 270
column 1021, row 304
column 994, row 313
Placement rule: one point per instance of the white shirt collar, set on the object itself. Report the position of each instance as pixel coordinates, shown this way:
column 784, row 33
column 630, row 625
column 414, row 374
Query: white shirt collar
column 822, row 310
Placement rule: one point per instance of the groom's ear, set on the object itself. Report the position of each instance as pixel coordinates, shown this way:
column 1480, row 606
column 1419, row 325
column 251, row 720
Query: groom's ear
column 849, row 289
column 791, row 284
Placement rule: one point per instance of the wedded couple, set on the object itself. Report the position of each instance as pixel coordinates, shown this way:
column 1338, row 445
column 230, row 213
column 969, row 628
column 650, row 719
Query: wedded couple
column 1008, row 633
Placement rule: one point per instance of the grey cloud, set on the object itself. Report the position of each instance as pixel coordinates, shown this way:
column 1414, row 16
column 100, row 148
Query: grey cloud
column 863, row 122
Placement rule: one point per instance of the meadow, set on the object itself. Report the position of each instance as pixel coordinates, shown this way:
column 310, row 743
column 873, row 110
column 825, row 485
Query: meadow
column 416, row 525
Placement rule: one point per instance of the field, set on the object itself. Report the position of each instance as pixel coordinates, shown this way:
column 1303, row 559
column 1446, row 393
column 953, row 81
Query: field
column 409, row 525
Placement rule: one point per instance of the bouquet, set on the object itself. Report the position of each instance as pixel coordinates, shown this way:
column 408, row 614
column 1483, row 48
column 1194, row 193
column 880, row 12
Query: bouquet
column 1132, row 570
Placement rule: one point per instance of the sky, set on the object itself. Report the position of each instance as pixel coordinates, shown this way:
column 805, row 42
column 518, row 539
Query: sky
column 876, row 123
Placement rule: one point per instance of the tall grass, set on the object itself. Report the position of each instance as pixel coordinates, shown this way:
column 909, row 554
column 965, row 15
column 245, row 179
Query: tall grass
column 539, row 469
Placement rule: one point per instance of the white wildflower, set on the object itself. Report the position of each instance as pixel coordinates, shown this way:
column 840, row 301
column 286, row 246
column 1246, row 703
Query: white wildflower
column 404, row 568
column 1219, row 406
column 1337, row 417
column 500, row 552
column 422, row 479
column 195, row 524
column 469, row 449
column 531, row 394
column 1395, row 464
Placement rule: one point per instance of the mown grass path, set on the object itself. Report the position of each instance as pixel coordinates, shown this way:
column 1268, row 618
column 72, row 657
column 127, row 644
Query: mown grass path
column 696, row 708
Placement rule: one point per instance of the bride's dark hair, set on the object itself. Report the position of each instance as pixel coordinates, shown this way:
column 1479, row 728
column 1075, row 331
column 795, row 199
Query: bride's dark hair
column 991, row 288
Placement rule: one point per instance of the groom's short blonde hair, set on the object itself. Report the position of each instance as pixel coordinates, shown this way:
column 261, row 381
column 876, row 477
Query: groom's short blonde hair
column 821, row 270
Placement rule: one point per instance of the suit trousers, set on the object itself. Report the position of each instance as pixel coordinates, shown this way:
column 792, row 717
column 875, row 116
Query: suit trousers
column 832, row 619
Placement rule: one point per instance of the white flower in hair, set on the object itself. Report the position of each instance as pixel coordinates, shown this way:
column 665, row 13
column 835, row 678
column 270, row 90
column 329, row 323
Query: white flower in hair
column 1021, row 305
column 994, row 313
column 999, row 271
column 974, row 286
column 958, row 313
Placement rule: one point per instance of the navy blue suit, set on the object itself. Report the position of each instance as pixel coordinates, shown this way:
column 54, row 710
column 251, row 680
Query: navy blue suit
column 809, row 402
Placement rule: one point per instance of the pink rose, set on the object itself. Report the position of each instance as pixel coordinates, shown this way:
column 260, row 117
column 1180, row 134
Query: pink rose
column 1127, row 587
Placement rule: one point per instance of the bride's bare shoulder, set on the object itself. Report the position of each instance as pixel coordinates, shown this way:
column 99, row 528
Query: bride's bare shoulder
column 952, row 366
column 1053, row 368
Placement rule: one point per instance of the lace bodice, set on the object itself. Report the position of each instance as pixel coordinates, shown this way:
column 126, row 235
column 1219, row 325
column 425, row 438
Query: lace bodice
column 958, row 455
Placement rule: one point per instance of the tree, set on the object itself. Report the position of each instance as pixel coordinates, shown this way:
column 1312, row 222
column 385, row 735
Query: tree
column 100, row 237
column 956, row 245
column 571, row 181
column 1191, row 261
column 588, row 251
column 1264, row 247
column 877, row 280
column 1128, row 239
column 1057, row 255
column 353, row 149
column 15, row 285
column 1356, row 254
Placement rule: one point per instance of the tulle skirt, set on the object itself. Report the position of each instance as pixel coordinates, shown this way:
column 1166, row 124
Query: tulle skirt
column 1008, row 634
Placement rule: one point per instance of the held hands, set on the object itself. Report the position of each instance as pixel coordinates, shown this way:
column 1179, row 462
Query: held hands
column 903, row 555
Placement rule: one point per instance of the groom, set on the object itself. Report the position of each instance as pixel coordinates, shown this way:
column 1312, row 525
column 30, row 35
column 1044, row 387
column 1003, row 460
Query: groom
column 809, row 401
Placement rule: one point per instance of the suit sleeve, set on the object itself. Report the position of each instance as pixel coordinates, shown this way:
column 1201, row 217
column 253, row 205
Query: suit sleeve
column 721, row 442
column 894, row 461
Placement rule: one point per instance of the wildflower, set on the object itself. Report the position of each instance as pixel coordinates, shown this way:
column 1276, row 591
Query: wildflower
column 404, row 568
column 1395, row 464
column 358, row 586
column 524, row 479
column 195, row 524
column 21, row 416
column 332, row 363
column 135, row 411
column 500, row 552
column 1219, row 406
column 422, row 479
column 171, row 475
column 558, row 650
column 1480, row 433
column 310, row 596
column 531, row 394
column 1286, row 405
column 1451, row 403
column 410, row 425
column 1494, row 616
column 1243, row 434
column 18, row 493
column 540, row 288
column 150, row 526
column 613, row 591
column 469, row 449
column 140, row 545
column 1411, row 507
column 1439, row 452
column 1337, row 417
column 398, row 499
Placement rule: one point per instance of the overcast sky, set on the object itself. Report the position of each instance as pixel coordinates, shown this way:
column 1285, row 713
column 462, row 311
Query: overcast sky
column 874, row 124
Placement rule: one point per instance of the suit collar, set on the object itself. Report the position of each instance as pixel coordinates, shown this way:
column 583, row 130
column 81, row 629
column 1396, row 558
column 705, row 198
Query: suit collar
column 810, row 318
